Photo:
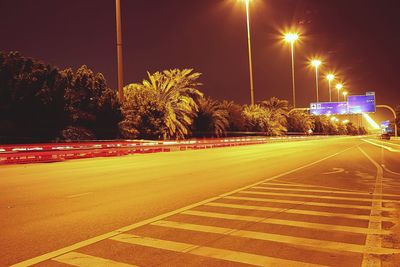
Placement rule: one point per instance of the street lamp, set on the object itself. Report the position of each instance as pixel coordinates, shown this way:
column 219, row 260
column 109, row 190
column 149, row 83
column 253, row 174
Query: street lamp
column 330, row 77
column 344, row 95
column 247, row 2
column 316, row 63
column 291, row 38
column 339, row 87
column 119, row 51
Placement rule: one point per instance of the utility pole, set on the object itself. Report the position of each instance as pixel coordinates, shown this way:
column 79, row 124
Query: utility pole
column 119, row 52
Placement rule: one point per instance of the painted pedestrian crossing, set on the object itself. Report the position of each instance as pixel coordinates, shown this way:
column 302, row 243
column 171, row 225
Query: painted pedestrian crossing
column 254, row 228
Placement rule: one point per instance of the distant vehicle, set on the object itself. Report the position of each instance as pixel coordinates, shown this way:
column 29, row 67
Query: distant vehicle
column 385, row 136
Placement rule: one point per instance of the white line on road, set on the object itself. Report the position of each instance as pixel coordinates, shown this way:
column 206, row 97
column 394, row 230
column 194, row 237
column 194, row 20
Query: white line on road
column 108, row 235
column 391, row 149
column 83, row 260
column 376, row 224
column 316, row 196
column 301, row 224
column 216, row 253
column 325, row 191
column 297, row 241
column 309, row 203
column 302, row 212
column 80, row 195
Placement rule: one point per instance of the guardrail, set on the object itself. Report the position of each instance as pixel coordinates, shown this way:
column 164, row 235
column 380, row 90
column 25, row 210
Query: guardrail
column 55, row 152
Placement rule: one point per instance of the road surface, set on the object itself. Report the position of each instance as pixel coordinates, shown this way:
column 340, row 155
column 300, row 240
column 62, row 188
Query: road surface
column 331, row 202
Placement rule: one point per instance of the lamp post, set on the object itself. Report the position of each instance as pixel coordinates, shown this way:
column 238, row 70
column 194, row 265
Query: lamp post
column 119, row 51
column 339, row 87
column 330, row 77
column 247, row 2
column 344, row 95
column 291, row 38
column 316, row 63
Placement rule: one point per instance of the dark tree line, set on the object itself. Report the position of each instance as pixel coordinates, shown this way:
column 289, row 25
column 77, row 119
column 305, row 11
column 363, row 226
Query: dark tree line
column 41, row 103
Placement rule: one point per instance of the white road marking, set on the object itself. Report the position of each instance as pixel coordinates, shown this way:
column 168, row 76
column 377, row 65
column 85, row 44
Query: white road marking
column 216, row 253
column 376, row 224
column 386, row 169
column 302, row 212
column 83, row 260
column 297, row 241
column 316, row 196
column 318, row 226
column 80, row 195
column 335, row 170
column 325, row 191
column 382, row 146
column 108, row 235
column 318, row 204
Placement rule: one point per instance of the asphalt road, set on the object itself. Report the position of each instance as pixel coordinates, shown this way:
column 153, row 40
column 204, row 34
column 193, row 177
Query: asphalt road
column 330, row 202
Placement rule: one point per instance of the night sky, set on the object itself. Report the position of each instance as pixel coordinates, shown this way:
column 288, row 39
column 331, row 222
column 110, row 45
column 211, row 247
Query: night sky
column 358, row 38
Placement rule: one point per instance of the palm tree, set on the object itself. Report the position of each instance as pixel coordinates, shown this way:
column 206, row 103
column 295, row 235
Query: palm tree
column 279, row 110
column 235, row 117
column 165, row 102
column 211, row 119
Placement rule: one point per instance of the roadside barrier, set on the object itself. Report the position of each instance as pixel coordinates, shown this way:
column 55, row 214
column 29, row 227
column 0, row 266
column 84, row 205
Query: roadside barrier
column 56, row 152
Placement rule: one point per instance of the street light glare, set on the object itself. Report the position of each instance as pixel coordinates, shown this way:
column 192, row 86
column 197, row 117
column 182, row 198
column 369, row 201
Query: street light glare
column 339, row 86
column 344, row 93
column 316, row 63
column 330, row 77
column 291, row 37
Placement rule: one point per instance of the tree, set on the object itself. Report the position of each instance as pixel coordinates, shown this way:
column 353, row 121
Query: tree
column 351, row 129
column 211, row 119
column 259, row 119
column 235, row 118
column 299, row 121
column 31, row 99
column 342, row 130
column 92, row 108
column 162, row 106
column 278, row 110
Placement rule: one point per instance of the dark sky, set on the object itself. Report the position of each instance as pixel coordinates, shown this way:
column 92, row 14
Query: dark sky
column 359, row 39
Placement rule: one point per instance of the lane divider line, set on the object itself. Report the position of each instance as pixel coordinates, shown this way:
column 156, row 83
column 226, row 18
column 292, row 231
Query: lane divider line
column 373, row 240
column 382, row 146
column 108, row 235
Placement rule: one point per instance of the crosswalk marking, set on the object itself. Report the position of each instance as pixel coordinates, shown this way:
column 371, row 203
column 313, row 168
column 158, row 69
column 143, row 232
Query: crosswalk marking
column 216, row 253
column 317, row 226
column 319, row 204
column 83, row 260
column 322, row 191
column 303, row 212
column 316, row 197
column 298, row 241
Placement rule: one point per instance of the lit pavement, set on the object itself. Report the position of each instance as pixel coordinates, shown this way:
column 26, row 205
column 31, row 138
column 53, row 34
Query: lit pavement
column 330, row 202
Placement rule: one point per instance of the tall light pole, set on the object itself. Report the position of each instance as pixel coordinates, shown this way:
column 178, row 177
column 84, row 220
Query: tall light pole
column 119, row 51
column 249, row 46
column 292, row 38
column 339, row 87
column 344, row 96
column 316, row 63
column 330, row 77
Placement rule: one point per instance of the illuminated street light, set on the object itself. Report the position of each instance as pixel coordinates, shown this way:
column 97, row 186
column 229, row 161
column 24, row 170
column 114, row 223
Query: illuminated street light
column 291, row 38
column 330, row 77
column 247, row 2
column 316, row 63
column 339, row 87
column 344, row 95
